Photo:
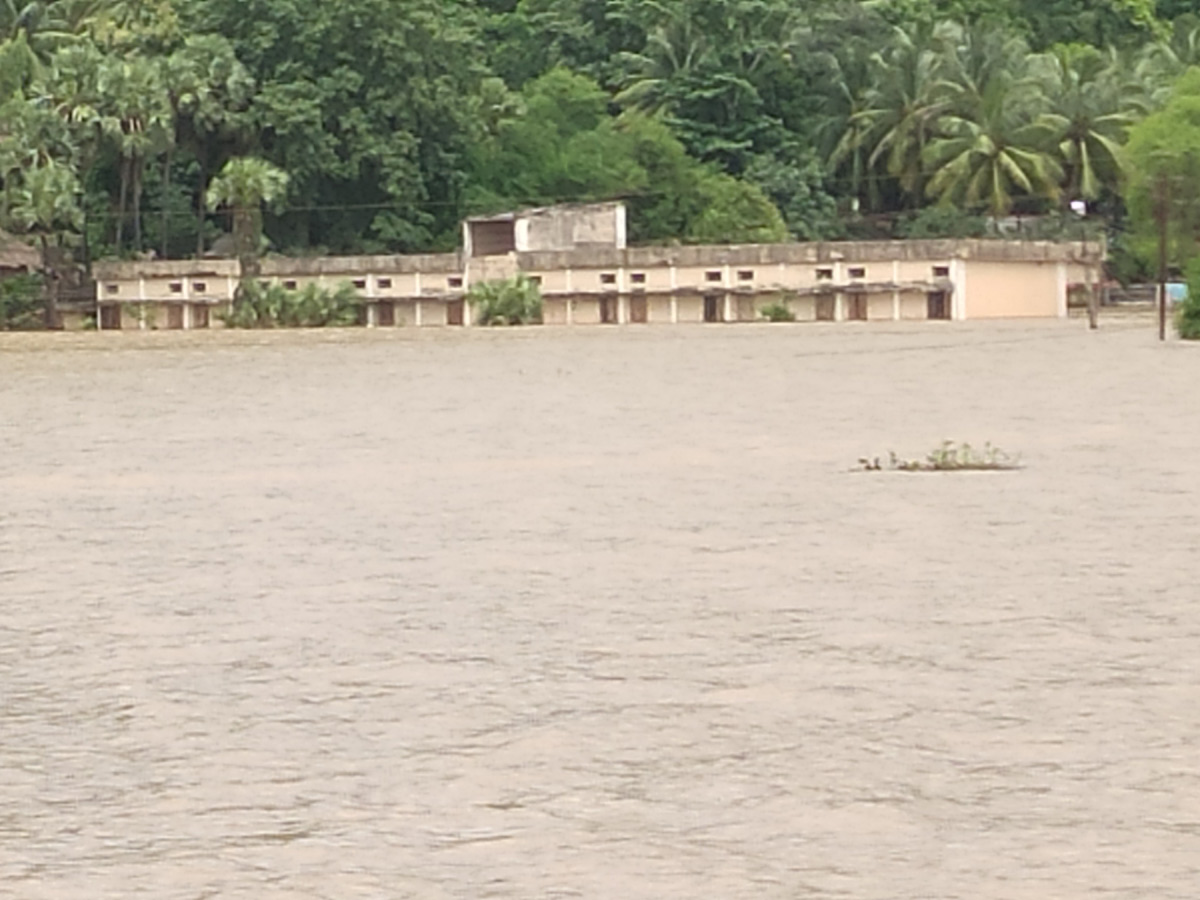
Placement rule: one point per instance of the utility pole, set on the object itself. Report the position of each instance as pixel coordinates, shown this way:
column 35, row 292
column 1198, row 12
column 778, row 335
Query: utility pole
column 1162, row 218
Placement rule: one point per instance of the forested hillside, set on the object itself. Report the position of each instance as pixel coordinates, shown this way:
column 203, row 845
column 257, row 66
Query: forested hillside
column 718, row 120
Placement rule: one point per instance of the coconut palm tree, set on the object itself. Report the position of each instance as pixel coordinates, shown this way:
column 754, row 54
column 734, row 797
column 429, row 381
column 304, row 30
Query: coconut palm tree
column 1090, row 112
column 245, row 184
column 902, row 107
column 844, row 126
column 985, row 160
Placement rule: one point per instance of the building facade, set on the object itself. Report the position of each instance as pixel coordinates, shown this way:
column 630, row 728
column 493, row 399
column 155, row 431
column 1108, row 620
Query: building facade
column 587, row 276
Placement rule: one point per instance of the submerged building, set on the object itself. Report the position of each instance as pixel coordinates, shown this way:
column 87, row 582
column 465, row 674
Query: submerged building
column 588, row 276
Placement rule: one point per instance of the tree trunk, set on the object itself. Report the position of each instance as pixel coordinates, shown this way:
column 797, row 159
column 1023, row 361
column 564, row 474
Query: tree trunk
column 121, row 197
column 166, row 193
column 202, row 161
column 50, row 314
column 137, row 167
column 247, row 225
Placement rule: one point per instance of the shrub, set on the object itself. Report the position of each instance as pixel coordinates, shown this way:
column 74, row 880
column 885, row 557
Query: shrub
column 777, row 312
column 513, row 301
column 21, row 303
column 948, row 457
column 1187, row 317
column 274, row 306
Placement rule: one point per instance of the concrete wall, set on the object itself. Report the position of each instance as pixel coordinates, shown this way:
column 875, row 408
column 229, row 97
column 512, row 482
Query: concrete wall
column 1014, row 289
column 914, row 305
column 571, row 227
column 985, row 279
column 690, row 308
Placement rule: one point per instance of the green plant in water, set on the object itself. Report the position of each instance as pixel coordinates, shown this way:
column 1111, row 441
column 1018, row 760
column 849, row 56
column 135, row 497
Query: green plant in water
column 1187, row 317
column 21, row 303
column 777, row 312
column 273, row 306
column 947, row 457
column 513, row 301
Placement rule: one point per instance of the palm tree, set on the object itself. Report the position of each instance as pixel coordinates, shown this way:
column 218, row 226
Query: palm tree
column 244, row 185
column 986, row 159
column 137, row 102
column 208, row 90
column 902, row 107
column 991, row 143
column 46, row 205
column 1090, row 112
column 845, row 126
column 676, row 49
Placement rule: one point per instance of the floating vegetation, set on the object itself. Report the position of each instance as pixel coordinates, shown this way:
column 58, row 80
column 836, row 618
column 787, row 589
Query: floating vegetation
column 949, row 457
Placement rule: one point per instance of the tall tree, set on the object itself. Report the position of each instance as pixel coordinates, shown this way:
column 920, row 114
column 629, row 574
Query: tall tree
column 244, row 186
column 46, row 205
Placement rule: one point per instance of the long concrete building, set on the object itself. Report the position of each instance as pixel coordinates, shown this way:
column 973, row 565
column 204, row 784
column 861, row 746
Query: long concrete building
column 588, row 276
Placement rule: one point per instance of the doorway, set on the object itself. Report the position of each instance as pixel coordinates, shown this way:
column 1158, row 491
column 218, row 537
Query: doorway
column 938, row 304
column 712, row 308
column 454, row 312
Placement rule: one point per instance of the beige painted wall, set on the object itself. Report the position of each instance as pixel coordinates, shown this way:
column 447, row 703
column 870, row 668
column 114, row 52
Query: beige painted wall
column 554, row 312
column 658, row 309
column 691, row 308
column 1010, row 289
column 880, row 307
column 433, row 312
column 914, row 305
column 585, row 311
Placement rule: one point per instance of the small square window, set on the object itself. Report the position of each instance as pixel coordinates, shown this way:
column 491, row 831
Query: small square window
column 745, row 274
column 360, row 283
column 608, row 278
column 535, row 279
column 454, row 282
column 824, row 274
column 712, row 275
column 384, row 283
column 112, row 288
column 176, row 287
column 857, row 272
column 941, row 271
column 638, row 277
column 199, row 287
column 264, row 284
column 289, row 285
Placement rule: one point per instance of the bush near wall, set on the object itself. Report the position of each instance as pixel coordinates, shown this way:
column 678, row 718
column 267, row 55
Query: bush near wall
column 21, row 303
column 1187, row 318
column 274, row 306
column 513, row 301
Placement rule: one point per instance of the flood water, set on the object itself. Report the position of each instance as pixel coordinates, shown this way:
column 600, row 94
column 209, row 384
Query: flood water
column 599, row 613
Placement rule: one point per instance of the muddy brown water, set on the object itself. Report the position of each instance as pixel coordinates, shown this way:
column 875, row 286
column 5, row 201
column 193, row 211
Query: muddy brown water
column 599, row 613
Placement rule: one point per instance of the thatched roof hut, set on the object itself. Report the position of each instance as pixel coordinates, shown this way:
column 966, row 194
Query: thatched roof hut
column 16, row 255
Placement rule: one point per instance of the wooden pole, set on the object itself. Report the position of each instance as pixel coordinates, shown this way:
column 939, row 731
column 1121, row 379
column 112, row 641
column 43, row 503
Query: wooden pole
column 1160, row 214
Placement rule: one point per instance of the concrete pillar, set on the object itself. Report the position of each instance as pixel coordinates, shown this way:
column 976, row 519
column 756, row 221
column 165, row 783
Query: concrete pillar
column 896, row 291
column 1061, row 288
column 673, row 277
column 417, row 313
column 958, row 294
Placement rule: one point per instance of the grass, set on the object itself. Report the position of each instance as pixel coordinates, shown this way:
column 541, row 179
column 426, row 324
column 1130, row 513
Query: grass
column 948, row 457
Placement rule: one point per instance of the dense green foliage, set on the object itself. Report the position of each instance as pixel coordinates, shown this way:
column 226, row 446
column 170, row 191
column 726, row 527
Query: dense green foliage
column 778, row 311
column 273, row 306
column 717, row 120
column 514, row 301
column 20, row 303
column 1187, row 317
